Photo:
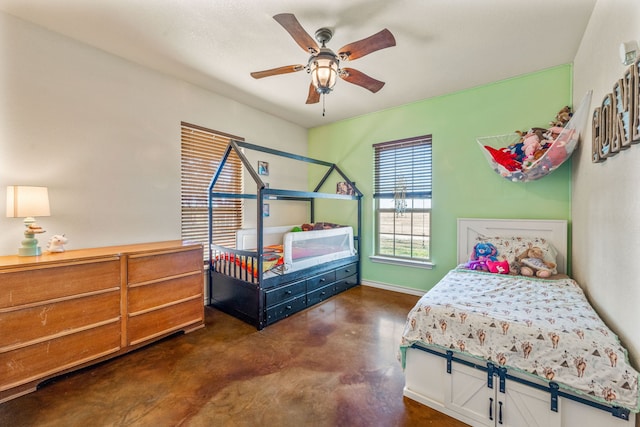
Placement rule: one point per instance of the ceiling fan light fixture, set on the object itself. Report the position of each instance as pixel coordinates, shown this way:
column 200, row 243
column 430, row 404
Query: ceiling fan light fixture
column 324, row 64
column 324, row 70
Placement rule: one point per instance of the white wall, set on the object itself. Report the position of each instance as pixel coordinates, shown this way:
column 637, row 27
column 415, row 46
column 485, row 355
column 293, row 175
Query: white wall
column 104, row 135
column 606, row 196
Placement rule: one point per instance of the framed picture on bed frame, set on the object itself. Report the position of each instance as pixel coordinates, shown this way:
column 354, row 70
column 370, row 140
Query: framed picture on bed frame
column 344, row 188
column 263, row 168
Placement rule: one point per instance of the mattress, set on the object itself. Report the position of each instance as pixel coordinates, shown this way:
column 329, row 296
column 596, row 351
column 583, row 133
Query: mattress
column 541, row 328
column 290, row 251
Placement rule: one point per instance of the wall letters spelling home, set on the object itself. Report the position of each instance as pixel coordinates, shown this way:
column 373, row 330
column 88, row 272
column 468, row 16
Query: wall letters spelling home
column 616, row 123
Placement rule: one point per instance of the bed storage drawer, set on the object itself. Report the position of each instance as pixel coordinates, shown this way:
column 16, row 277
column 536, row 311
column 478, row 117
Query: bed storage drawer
column 346, row 283
column 321, row 280
column 286, row 308
column 320, row 294
column 283, row 293
column 346, row 271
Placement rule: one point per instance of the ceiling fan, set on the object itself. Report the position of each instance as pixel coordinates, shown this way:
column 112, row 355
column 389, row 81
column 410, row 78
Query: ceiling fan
column 323, row 64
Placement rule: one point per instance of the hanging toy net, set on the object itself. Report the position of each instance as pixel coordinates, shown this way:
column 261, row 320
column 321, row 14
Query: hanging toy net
column 524, row 157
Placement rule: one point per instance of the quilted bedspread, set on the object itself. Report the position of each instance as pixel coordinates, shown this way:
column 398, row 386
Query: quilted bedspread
column 545, row 328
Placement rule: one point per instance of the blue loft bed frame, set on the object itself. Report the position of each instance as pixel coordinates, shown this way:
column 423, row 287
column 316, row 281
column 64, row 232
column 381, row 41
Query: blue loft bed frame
column 249, row 300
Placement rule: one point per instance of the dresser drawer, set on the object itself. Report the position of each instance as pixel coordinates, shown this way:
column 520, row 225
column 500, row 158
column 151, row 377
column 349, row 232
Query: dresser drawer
column 321, row 280
column 158, row 294
column 49, row 282
column 285, row 309
column 40, row 360
column 320, row 294
column 152, row 324
column 39, row 323
column 153, row 266
column 346, row 283
column 346, row 271
column 283, row 293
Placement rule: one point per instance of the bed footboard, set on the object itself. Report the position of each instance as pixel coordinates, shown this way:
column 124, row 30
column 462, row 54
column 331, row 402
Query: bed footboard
column 476, row 392
column 238, row 264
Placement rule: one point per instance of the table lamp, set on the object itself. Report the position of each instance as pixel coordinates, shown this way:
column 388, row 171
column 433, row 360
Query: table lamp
column 28, row 202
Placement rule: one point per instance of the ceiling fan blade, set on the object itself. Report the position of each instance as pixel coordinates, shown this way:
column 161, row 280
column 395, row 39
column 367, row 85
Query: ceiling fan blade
column 314, row 96
column 276, row 71
column 361, row 79
column 293, row 27
column 364, row 47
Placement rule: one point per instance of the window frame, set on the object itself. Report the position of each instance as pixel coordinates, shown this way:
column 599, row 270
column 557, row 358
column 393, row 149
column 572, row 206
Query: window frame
column 419, row 188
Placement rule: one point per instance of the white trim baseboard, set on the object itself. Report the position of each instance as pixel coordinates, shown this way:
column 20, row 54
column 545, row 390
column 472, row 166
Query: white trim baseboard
column 394, row 288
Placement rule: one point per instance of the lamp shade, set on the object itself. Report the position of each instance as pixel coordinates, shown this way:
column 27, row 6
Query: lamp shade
column 324, row 71
column 25, row 201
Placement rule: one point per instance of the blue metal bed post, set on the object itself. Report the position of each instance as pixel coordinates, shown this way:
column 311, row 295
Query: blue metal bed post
column 260, row 239
column 212, row 183
column 259, row 223
column 359, row 196
column 359, row 237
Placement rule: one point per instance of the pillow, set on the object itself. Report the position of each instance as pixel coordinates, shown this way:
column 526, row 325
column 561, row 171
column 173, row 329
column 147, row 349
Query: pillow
column 509, row 248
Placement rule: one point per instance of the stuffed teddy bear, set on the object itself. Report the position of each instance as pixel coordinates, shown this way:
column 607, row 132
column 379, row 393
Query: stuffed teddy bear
column 562, row 117
column 482, row 252
column 532, row 263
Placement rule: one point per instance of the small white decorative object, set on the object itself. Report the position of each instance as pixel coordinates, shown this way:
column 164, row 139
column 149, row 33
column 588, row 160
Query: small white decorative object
column 56, row 243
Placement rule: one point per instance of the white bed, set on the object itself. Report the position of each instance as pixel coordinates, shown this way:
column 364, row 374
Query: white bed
column 457, row 381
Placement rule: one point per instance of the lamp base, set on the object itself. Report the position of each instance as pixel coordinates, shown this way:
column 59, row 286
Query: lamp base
column 34, row 251
column 29, row 246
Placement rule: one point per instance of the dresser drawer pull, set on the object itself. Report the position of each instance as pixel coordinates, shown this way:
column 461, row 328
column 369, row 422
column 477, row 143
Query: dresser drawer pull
column 323, row 293
column 288, row 307
column 323, row 280
column 288, row 292
column 347, row 271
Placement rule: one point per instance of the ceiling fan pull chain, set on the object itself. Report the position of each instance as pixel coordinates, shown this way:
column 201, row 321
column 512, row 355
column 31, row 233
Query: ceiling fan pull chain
column 323, row 98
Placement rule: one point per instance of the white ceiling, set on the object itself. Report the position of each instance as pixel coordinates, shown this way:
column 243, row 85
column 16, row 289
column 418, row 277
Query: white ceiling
column 443, row 46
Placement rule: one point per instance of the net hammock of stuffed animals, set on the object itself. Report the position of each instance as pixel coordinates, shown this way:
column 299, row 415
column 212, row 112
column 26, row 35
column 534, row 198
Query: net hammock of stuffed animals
column 535, row 154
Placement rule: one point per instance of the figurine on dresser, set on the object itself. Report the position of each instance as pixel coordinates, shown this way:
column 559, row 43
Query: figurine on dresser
column 56, row 243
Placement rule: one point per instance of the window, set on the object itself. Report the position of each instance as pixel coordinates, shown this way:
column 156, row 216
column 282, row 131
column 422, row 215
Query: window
column 402, row 193
column 201, row 152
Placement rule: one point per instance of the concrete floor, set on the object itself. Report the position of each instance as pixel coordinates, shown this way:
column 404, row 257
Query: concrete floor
column 334, row 364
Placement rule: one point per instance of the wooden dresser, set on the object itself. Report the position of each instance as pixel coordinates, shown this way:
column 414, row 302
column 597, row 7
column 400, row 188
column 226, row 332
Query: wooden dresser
column 63, row 311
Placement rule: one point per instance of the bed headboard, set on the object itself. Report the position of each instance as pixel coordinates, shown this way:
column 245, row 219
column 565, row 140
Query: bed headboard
column 555, row 231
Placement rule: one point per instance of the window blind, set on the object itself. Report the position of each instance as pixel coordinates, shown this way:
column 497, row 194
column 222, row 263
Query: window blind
column 403, row 166
column 201, row 152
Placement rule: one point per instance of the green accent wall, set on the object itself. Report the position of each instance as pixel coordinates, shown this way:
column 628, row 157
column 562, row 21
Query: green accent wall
column 463, row 183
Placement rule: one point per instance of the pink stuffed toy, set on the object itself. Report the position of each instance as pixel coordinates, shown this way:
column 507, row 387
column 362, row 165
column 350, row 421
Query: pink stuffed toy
column 531, row 144
column 500, row 267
